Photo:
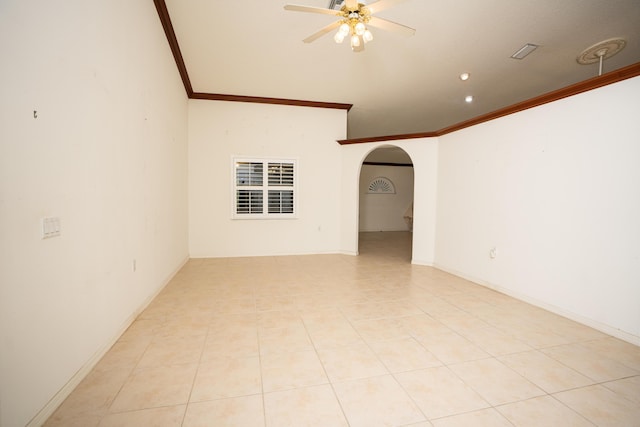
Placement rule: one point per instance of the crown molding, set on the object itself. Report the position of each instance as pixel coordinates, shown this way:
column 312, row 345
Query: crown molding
column 615, row 76
column 262, row 100
column 165, row 19
column 388, row 138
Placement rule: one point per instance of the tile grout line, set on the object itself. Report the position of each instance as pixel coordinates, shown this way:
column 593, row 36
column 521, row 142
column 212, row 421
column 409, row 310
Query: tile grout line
column 195, row 376
column 324, row 369
column 386, row 367
column 256, row 315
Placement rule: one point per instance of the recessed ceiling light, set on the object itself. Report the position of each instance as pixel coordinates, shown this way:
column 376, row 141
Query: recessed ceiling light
column 464, row 76
column 468, row 99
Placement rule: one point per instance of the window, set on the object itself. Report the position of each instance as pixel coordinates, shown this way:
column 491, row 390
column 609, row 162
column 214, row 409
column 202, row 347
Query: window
column 264, row 188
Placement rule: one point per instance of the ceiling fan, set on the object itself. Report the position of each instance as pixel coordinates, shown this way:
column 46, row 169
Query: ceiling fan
column 353, row 20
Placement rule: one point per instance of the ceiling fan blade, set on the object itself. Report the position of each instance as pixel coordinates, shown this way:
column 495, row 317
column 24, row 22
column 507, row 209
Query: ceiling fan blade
column 351, row 4
column 322, row 32
column 310, row 9
column 382, row 5
column 391, row 26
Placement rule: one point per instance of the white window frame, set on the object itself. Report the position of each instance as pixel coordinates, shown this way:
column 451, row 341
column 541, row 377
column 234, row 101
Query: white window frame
column 264, row 188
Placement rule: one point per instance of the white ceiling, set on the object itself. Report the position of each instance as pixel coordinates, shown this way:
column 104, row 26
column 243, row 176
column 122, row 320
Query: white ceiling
column 401, row 85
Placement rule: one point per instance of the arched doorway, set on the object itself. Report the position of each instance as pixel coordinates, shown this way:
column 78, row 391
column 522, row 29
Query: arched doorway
column 386, row 192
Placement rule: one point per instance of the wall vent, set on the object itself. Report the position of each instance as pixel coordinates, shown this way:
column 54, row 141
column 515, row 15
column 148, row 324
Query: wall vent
column 381, row 185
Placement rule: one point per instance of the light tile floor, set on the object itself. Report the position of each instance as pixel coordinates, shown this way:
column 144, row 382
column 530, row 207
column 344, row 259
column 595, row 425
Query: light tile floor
column 333, row 340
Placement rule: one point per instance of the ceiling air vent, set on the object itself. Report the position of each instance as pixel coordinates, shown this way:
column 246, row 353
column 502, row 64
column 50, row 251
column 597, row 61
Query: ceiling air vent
column 524, row 51
column 335, row 4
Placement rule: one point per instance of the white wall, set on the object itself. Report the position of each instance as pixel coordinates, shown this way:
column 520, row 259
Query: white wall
column 556, row 189
column 424, row 154
column 385, row 211
column 106, row 154
column 220, row 130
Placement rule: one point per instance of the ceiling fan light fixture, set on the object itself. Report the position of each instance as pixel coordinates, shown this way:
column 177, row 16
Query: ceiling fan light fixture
column 353, row 18
column 355, row 41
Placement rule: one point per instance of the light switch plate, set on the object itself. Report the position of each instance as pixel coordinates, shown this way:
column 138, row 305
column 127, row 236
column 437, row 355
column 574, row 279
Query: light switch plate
column 50, row 227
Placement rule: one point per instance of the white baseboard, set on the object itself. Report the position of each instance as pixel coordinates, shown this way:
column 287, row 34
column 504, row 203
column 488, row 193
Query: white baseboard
column 602, row 327
column 352, row 253
column 275, row 254
column 43, row 415
column 426, row 263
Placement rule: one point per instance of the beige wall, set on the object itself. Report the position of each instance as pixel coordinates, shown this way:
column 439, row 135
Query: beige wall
column 218, row 131
column 424, row 154
column 385, row 212
column 107, row 154
column 556, row 190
